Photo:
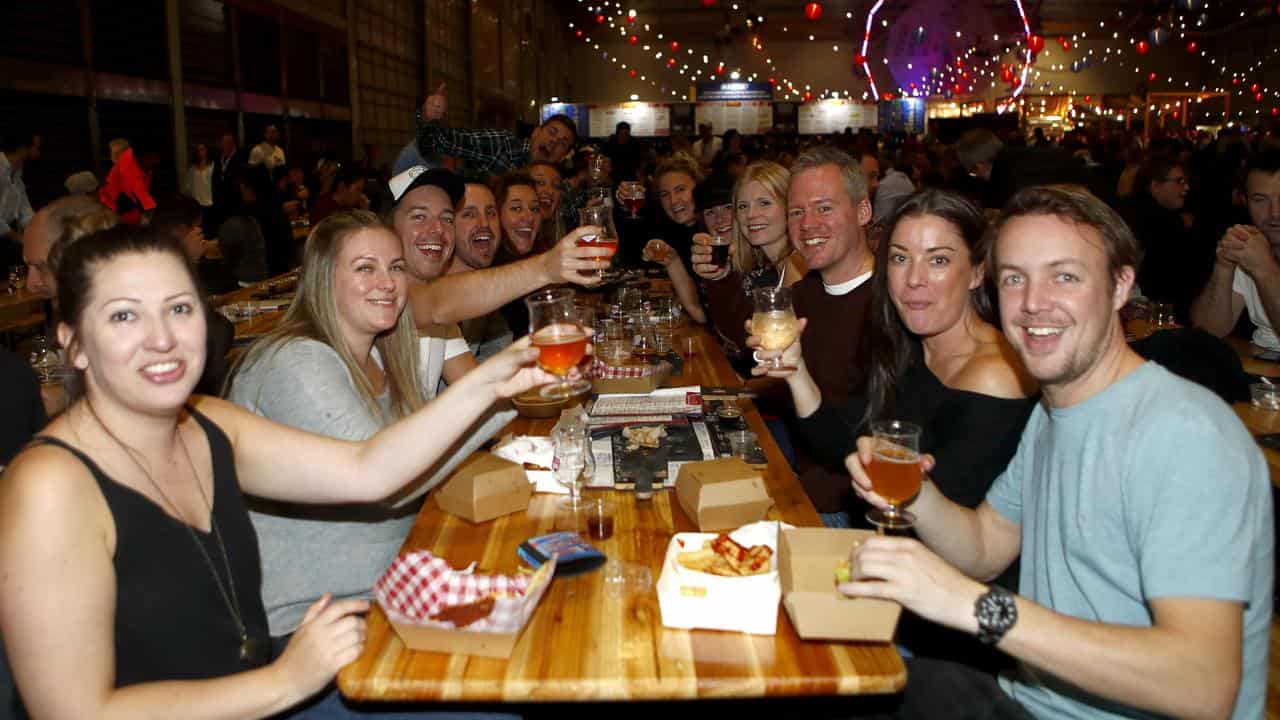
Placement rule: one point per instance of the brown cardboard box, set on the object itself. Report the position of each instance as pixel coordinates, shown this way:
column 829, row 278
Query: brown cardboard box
column 722, row 494
column 807, row 559
column 485, row 487
column 456, row 642
column 647, row 384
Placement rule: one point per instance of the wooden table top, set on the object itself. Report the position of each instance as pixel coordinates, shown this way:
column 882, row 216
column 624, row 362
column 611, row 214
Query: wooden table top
column 262, row 322
column 584, row 644
column 21, row 298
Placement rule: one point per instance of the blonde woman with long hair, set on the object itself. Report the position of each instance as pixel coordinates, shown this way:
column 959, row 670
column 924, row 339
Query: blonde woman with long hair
column 762, row 256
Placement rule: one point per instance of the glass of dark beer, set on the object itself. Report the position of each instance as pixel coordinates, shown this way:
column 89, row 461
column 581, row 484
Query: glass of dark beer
column 720, row 244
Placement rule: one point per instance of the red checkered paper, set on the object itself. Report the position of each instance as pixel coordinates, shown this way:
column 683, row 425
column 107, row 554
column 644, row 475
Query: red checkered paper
column 418, row 585
column 605, row 371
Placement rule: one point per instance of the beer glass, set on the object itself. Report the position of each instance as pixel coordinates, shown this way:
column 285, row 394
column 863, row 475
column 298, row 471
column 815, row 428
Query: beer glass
column 894, row 471
column 560, row 339
column 607, row 238
column 632, row 195
column 720, row 245
column 774, row 322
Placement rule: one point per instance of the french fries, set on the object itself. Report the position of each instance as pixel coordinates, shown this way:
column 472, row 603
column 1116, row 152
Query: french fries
column 722, row 556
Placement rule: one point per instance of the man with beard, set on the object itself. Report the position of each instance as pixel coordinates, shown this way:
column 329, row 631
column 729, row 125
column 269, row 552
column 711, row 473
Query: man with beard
column 476, row 232
column 1139, row 503
column 491, row 151
column 1246, row 274
column 424, row 218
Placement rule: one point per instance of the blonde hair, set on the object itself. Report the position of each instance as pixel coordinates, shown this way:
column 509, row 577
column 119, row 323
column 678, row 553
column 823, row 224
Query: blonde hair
column 314, row 316
column 775, row 180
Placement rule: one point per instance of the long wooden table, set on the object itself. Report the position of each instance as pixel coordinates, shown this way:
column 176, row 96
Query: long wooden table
column 584, row 644
column 263, row 321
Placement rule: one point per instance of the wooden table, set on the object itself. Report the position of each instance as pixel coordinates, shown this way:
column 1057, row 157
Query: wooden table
column 20, row 299
column 261, row 322
column 583, row 644
column 1245, row 350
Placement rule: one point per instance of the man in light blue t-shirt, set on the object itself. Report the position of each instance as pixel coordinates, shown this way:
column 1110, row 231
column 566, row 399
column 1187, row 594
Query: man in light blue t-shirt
column 1139, row 503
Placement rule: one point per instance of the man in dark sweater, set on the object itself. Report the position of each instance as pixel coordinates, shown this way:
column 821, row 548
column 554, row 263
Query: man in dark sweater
column 827, row 214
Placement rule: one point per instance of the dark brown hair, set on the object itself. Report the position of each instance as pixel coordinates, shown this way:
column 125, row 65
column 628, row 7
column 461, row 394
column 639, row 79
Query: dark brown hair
column 1076, row 205
column 889, row 346
column 83, row 258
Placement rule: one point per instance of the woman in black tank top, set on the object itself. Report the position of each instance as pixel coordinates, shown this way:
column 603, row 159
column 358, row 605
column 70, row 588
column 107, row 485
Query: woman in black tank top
column 131, row 572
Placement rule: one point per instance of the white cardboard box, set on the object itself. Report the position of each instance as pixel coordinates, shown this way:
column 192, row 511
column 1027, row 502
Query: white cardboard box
column 690, row 599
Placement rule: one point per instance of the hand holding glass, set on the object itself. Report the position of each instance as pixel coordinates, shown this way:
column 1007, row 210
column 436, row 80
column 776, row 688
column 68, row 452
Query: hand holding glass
column 632, row 195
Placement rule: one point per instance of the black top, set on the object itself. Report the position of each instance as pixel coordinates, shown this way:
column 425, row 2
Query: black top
column 21, row 409
column 171, row 620
column 972, row 436
column 1176, row 263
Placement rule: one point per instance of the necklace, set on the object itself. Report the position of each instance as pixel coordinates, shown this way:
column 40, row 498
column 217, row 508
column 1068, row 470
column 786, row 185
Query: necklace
column 253, row 651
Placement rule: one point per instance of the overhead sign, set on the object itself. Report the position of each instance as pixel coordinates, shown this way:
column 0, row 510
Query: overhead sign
column 646, row 119
column 575, row 112
column 733, row 91
column 833, row 116
column 903, row 115
column 749, row 117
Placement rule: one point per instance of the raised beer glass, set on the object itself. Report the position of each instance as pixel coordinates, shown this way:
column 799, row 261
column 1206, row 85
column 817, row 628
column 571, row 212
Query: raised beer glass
column 560, row 339
column 894, row 471
column 601, row 217
column 774, row 322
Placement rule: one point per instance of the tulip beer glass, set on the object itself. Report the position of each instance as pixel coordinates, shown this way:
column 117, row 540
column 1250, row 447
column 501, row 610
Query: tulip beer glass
column 894, row 471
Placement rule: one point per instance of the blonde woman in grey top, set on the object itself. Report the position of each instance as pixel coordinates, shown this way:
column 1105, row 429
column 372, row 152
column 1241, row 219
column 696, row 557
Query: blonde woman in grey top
column 345, row 361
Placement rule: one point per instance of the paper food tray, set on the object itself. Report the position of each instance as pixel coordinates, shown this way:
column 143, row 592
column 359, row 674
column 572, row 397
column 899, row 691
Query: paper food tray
column 691, row 599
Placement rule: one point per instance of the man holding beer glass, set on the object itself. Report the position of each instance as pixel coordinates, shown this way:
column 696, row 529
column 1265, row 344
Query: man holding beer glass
column 1139, row 503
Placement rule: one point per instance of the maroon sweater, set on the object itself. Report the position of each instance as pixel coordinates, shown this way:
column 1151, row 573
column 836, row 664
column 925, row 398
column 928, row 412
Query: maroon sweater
column 833, row 354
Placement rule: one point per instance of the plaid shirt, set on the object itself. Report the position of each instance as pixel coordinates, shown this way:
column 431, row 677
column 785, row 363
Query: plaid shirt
column 489, row 151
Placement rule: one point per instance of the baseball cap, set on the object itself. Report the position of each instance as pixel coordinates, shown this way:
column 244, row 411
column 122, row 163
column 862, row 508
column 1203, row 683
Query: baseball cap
column 420, row 175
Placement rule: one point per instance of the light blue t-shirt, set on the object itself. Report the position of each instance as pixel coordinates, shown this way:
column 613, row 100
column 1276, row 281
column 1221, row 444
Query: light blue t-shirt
column 1150, row 489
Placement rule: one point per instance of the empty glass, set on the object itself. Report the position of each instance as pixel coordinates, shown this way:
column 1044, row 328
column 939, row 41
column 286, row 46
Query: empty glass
column 568, row 464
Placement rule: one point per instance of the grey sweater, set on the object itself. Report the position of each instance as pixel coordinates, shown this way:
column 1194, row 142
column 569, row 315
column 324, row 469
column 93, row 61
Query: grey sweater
column 308, row 551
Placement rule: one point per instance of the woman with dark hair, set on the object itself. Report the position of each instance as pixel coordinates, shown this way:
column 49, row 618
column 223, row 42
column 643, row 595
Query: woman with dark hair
column 131, row 570
column 936, row 360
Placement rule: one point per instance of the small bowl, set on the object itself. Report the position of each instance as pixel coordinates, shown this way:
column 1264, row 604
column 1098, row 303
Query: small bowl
column 1264, row 396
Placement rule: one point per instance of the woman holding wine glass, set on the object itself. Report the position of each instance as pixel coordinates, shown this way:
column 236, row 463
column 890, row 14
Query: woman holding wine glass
column 937, row 361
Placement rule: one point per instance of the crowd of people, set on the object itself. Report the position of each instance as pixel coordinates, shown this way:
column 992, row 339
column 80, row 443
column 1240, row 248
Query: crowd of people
column 1095, row 538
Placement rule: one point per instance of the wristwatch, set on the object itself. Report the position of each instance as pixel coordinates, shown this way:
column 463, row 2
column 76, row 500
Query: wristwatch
column 996, row 613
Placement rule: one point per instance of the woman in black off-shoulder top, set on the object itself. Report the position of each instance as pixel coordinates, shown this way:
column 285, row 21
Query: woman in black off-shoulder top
column 937, row 361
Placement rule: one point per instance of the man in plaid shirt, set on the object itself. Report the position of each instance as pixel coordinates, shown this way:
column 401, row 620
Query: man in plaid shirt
column 492, row 151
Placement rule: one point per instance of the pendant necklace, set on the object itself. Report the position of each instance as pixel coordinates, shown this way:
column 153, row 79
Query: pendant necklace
column 253, row 651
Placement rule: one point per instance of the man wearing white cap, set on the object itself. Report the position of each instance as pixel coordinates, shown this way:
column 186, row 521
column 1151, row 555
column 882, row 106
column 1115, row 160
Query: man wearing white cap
column 423, row 217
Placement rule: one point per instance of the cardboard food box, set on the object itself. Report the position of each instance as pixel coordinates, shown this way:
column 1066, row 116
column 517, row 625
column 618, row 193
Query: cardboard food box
column 485, row 487
column 631, row 378
column 722, row 494
column 419, row 585
column 807, row 559
column 691, row 599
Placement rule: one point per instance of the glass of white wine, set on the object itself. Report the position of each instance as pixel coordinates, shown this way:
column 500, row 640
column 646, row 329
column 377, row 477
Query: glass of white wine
column 774, row 322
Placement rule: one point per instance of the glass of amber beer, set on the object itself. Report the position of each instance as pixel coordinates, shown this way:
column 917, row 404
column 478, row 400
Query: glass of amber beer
column 561, row 341
column 894, row 471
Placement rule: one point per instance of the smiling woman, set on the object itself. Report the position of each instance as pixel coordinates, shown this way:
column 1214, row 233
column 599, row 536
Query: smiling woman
column 128, row 553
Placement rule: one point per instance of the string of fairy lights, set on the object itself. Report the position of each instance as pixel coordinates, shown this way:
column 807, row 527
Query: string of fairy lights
column 1023, row 64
